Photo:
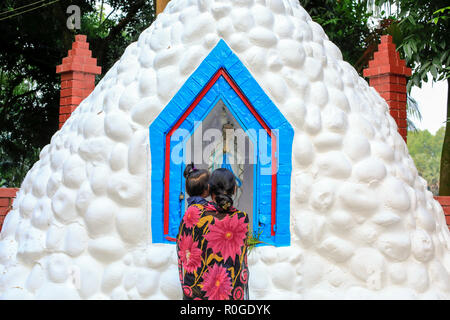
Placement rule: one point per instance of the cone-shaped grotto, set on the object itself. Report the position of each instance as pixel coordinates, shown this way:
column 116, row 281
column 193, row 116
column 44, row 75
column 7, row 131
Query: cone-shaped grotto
column 360, row 224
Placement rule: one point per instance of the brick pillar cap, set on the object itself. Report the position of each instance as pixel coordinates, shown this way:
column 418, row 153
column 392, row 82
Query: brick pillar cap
column 386, row 39
column 78, row 72
column 80, row 38
column 386, row 61
column 79, row 58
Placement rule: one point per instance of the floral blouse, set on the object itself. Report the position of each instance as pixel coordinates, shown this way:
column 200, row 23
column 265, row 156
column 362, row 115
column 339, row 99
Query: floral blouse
column 212, row 253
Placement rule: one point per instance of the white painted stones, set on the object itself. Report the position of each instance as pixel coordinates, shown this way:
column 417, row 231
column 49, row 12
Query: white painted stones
column 129, row 224
column 284, row 28
column 36, row 278
column 295, row 112
column 106, row 249
column 370, row 170
column 418, row 277
column 263, row 16
column 334, row 164
column 42, row 214
column 190, row 59
column 292, row 53
column 396, row 246
column 147, row 83
column 167, row 82
column 356, row 146
column 63, row 205
column 194, row 31
column 358, row 198
column 75, row 240
column 58, row 268
column 337, row 249
column 302, row 186
column 73, row 172
column 242, row 19
column 277, row 6
column 303, row 151
column 145, row 110
column 158, row 256
column 277, row 88
column 308, row 227
column 263, row 37
column 327, row 141
column 170, row 286
column 284, row 274
column 323, row 195
column 137, row 153
column 395, row 195
column 425, row 219
column 27, row 205
column 422, row 245
column 166, row 57
column 126, row 189
column 335, row 119
column 341, row 220
column 313, row 69
column 369, row 265
column 147, row 282
column 117, row 127
column 112, row 276
column 99, row 216
column 313, row 120
column 318, row 95
column 259, row 281
column 118, row 157
column 386, row 218
column 128, row 99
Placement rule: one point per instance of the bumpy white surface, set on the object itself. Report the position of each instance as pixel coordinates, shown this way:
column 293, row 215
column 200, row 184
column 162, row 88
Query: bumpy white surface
column 363, row 225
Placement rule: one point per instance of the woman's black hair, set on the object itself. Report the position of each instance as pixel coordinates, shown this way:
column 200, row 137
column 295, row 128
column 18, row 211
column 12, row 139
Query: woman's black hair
column 196, row 180
column 222, row 184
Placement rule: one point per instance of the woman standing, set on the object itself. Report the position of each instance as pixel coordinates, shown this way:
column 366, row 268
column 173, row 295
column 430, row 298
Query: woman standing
column 211, row 245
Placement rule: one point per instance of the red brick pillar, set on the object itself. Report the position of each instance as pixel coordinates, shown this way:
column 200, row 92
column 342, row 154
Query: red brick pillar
column 78, row 72
column 444, row 201
column 7, row 196
column 388, row 74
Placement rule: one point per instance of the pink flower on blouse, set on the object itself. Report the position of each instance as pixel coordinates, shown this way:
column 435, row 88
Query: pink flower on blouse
column 217, row 283
column 227, row 236
column 191, row 216
column 189, row 253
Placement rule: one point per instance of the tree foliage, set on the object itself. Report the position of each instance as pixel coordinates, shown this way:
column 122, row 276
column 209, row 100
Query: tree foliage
column 33, row 44
column 425, row 149
column 421, row 31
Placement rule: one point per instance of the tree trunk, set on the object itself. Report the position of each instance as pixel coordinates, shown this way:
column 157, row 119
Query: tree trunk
column 444, row 181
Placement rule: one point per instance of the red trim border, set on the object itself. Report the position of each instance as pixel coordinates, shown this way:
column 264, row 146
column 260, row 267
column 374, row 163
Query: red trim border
column 220, row 73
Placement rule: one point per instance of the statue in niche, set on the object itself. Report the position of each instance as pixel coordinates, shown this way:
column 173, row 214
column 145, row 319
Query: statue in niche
column 225, row 154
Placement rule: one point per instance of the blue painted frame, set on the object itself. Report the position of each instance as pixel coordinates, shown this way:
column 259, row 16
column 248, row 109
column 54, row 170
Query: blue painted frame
column 222, row 57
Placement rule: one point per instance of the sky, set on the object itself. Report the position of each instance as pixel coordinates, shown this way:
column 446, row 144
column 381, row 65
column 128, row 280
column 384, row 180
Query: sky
column 432, row 99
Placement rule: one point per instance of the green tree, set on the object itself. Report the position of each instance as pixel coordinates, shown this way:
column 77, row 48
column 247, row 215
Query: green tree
column 34, row 40
column 425, row 149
